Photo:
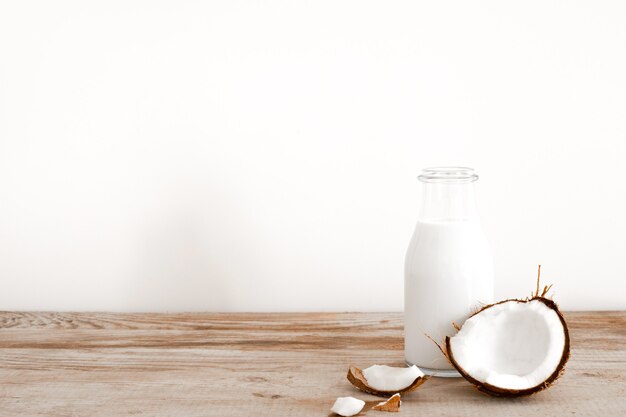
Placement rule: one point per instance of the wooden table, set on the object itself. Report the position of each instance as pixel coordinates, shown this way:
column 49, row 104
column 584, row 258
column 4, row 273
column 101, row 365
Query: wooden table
column 101, row 364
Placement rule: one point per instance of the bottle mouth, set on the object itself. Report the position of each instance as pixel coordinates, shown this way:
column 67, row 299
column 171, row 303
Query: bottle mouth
column 448, row 175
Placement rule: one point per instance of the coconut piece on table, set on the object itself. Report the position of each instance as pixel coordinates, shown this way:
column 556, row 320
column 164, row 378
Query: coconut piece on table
column 347, row 406
column 392, row 404
column 385, row 381
column 512, row 348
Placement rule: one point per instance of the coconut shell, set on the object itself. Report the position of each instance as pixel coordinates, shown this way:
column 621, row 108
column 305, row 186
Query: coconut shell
column 392, row 404
column 356, row 378
column 503, row 392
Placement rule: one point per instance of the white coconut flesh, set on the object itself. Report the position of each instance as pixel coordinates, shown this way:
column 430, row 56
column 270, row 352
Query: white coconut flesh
column 513, row 345
column 388, row 378
column 347, row 406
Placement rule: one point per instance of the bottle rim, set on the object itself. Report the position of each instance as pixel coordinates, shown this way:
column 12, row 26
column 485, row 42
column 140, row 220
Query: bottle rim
column 448, row 175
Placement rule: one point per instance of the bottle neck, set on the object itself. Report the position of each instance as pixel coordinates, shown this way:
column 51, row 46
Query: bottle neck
column 448, row 201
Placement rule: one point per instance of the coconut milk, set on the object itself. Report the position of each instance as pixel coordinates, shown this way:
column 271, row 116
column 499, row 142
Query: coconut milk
column 448, row 273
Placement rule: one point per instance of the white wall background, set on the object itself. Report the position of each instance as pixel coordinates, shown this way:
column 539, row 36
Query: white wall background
column 262, row 155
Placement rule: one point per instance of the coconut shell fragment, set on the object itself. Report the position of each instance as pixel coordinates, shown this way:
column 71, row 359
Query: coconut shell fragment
column 356, row 378
column 391, row 405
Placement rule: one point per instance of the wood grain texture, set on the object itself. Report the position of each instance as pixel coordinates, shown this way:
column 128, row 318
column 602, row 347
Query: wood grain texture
column 102, row 364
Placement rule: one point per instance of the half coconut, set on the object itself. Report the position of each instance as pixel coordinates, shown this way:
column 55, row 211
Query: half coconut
column 512, row 348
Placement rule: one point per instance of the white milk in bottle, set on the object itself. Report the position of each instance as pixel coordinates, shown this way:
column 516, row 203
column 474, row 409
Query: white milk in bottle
column 448, row 266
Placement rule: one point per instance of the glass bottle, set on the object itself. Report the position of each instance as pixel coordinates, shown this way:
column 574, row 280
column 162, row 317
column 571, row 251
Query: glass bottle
column 448, row 266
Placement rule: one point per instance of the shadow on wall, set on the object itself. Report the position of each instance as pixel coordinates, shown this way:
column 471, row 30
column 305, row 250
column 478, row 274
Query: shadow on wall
column 185, row 256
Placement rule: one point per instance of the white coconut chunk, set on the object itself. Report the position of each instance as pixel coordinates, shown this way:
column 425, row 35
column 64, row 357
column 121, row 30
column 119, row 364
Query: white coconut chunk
column 512, row 345
column 347, row 406
column 388, row 378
